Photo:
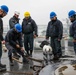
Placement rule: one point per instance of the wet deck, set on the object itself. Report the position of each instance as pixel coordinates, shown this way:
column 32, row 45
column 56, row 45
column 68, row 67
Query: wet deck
column 18, row 68
column 21, row 69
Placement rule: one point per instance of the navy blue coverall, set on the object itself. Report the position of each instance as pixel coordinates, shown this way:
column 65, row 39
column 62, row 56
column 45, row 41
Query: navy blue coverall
column 29, row 28
column 55, row 31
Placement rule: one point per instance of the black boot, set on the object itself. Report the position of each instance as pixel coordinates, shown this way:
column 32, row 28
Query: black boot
column 25, row 60
column 27, row 53
column 2, row 67
column 56, row 57
column 31, row 53
column 11, row 61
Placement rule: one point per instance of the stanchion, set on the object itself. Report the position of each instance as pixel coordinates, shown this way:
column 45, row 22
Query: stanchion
column 66, row 46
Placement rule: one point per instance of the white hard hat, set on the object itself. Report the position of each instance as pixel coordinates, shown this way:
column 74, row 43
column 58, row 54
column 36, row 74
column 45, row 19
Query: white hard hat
column 17, row 13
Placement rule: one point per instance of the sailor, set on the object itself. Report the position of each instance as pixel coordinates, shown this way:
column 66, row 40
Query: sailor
column 55, row 32
column 72, row 17
column 3, row 12
column 13, row 43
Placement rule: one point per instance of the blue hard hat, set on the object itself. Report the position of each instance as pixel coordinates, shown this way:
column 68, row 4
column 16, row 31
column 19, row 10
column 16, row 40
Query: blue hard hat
column 52, row 14
column 4, row 8
column 18, row 27
column 71, row 13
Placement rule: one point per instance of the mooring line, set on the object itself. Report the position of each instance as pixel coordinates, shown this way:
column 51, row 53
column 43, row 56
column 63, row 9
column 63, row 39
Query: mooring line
column 15, row 72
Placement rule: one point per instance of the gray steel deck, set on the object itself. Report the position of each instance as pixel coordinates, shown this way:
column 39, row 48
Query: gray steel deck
column 20, row 68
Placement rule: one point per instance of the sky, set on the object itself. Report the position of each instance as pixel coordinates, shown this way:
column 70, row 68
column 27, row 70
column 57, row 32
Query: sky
column 39, row 9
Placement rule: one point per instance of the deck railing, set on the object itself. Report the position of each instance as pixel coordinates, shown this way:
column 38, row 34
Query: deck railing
column 66, row 42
